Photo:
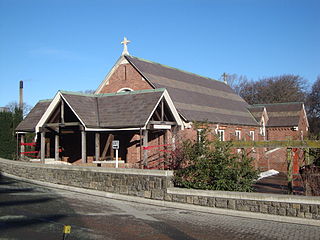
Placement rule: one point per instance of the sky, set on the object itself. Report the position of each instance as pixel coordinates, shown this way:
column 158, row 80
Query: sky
column 71, row 45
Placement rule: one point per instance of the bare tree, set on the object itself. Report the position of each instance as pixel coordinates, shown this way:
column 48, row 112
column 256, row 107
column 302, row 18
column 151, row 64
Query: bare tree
column 284, row 88
column 12, row 106
column 313, row 108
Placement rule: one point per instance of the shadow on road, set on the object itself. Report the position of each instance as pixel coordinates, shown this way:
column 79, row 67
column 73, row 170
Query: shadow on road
column 24, row 202
column 6, row 224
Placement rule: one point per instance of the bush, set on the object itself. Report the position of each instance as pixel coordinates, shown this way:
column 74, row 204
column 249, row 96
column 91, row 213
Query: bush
column 311, row 179
column 212, row 165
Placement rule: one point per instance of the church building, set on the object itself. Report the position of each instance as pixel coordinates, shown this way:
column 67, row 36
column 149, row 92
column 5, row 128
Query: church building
column 148, row 107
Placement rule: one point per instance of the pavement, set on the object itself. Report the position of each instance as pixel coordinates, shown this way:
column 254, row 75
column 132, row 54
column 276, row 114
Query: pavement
column 31, row 211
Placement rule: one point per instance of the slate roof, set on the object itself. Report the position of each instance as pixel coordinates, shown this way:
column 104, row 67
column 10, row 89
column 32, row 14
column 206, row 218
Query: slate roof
column 31, row 120
column 114, row 110
column 282, row 114
column 196, row 98
column 256, row 112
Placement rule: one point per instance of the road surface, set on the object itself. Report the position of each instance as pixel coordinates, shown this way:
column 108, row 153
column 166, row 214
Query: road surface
column 29, row 211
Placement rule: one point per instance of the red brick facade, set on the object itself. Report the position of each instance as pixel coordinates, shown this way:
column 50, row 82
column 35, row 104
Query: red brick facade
column 126, row 76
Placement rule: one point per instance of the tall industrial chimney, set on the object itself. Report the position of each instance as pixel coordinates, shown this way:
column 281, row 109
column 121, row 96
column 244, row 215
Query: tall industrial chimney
column 21, row 96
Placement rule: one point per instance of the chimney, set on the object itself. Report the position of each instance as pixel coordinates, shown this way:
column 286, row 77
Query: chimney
column 21, row 96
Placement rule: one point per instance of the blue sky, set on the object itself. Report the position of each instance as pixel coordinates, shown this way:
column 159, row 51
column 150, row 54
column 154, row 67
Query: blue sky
column 71, row 45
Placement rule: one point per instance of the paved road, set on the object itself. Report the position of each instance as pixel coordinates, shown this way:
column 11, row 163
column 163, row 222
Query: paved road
column 29, row 211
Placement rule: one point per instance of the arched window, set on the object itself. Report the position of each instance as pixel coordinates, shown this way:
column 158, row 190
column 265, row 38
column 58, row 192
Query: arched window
column 125, row 90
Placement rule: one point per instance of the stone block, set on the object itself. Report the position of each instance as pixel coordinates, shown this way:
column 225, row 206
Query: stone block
column 295, row 206
column 305, row 208
column 211, row 202
column 221, row 203
column 272, row 210
column 263, row 208
column 282, row 211
column 124, row 190
column 147, row 194
column 291, row 212
column 168, row 197
column 314, row 209
column 275, row 204
column 300, row 214
column 157, row 194
column 231, row 204
column 189, row 199
column 196, row 200
column 284, row 205
column 203, row 201
column 308, row 215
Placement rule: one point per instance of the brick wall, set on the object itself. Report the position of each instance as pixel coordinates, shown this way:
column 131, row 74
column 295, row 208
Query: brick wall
column 125, row 76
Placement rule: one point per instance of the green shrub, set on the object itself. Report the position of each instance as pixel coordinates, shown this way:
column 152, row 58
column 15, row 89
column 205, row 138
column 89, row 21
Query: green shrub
column 212, row 165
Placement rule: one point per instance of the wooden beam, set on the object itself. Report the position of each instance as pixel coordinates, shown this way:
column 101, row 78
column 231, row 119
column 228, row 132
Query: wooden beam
column 67, row 124
column 83, row 147
column 97, row 143
column 42, row 146
column 162, row 123
column 274, row 144
column 108, row 143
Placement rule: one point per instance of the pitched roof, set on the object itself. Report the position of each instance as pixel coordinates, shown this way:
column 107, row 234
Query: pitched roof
column 256, row 111
column 196, row 98
column 115, row 110
column 282, row 114
column 29, row 123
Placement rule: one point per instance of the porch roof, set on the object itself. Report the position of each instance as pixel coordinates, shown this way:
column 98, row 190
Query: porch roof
column 113, row 111
column 129, row 110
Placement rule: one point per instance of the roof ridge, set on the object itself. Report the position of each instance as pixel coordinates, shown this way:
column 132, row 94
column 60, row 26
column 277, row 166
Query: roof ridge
column 282, row 103
column 113, row 94
column 174, row 68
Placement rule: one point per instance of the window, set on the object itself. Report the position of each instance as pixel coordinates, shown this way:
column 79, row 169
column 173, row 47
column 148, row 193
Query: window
column 251, row 134
column 238, row 135
column 221, row 134
column 125, row 90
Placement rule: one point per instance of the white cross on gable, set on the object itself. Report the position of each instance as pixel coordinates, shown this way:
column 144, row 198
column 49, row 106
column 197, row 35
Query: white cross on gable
column 125, row 42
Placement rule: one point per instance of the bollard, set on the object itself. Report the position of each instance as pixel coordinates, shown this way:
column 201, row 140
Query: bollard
column 66, row 231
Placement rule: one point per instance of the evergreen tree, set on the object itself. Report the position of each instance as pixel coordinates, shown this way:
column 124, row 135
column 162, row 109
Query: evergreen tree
column 8, row 122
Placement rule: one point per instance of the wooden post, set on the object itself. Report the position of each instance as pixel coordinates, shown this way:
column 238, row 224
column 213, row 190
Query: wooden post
column 83, row 146
column 62, row 111
column 56, row 147
column 48, row 147
column 42, row 146
column 174, row 137
column 141, row 151
column 165, row 148
column 307, row 156
column 145, row 144
column 97, row 141
column 22, row 147
column 162, row 110
column 290, row 167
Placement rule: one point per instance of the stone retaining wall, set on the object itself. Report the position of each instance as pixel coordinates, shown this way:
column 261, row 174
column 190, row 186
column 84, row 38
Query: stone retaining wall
column 156, row 184
column 133, row 182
